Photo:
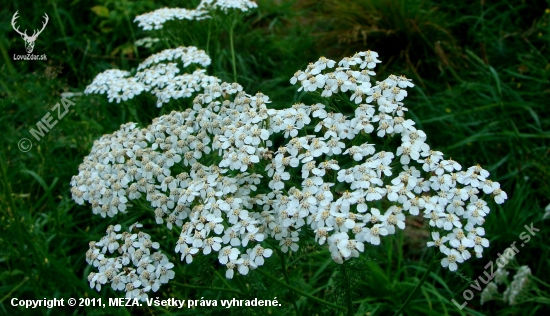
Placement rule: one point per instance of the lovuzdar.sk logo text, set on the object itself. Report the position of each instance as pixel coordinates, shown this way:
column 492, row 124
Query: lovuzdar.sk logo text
column 29, row 40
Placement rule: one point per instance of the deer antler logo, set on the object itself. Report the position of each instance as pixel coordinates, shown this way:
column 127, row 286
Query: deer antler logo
column 29, row 40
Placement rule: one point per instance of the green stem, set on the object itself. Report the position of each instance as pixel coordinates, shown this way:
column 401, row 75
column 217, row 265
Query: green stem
column 290, row 287
column 133, row 112
column 237, row 279
column 233, row 51
column 540, row 281
column 208, row 37
column 542, row 300
column 12, row 210
column 221, row 289
column 432, row 265
column 130, row 26
column 15, row 289
column 224, row 280
column 287, row 279
column 348, row 289
column 62, row 28
column 7, row 59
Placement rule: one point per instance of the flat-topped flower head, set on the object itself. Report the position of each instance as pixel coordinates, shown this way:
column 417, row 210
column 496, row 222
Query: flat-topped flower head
column 226, row 5
column 157, row 77
column 213, row 174
column 156, row 19
column 136, row 270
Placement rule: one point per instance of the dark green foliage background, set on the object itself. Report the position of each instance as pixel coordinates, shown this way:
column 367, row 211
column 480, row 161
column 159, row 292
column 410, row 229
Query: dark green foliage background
column 482, row 75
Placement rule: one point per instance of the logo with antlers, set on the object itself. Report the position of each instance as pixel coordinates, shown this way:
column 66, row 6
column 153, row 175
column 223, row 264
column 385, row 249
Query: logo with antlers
column 29, row 40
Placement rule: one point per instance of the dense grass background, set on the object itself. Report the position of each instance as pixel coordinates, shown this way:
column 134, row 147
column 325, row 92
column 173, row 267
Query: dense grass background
column 482, row 74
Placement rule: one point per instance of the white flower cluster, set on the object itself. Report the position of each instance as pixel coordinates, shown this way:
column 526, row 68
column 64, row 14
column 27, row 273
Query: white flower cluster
column 519, row 285
column 453, row 206
column 150, row 269
column 346, row 79
column 515, row 291
column 187, row 55
column 211, row 170
column 491, row 290
column 225, row 5
column 116, row 84
column 155, row 20
column 137, row 162
column 160, row 79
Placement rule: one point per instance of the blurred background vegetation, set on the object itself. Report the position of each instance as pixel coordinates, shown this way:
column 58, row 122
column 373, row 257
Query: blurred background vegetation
column 482, row 75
